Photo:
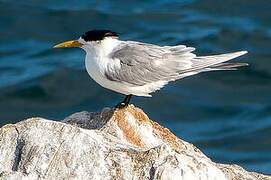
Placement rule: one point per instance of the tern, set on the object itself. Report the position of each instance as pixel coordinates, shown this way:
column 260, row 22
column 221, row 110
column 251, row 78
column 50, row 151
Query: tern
column 137, row 68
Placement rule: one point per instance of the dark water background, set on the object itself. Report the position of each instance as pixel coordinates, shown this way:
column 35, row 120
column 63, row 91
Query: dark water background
column 226, row 114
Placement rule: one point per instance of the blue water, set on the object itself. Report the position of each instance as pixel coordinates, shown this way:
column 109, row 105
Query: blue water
column 226, row 114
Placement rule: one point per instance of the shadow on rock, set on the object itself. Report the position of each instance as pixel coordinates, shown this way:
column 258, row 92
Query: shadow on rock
column 90, row 120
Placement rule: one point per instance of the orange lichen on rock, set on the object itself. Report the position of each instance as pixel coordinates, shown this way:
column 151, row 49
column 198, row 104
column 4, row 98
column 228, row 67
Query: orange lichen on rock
column 133, row 135
column 128, row 129
column 138, row 114
column 167, row 135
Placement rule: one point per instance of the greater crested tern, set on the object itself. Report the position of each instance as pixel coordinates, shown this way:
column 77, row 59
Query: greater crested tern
column 137, row 68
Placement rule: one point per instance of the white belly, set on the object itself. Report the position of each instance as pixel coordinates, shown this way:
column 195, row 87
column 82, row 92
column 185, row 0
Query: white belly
column 96, row 69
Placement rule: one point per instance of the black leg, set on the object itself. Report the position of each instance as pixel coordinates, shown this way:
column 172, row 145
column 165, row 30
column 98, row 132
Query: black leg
column 124, row 103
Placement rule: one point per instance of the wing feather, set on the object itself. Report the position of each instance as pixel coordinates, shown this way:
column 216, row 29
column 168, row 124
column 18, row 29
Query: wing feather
column 142, row 63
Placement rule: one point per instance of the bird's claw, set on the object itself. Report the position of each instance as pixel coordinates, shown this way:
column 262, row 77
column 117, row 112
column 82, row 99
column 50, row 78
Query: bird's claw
column 124, row 103
column 121, row 105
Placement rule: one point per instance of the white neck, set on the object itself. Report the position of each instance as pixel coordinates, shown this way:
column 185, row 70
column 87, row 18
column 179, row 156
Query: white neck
column 108, row 44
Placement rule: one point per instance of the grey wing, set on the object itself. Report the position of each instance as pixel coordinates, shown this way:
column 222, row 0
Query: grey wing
column 142, row 63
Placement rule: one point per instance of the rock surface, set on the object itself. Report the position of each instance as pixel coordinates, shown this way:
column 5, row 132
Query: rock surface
column 124, row 144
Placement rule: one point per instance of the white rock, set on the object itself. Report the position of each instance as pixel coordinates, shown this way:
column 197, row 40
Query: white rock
column 124, row 144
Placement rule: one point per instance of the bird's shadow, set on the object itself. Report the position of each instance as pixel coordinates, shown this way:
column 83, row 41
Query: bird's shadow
column 90, row 120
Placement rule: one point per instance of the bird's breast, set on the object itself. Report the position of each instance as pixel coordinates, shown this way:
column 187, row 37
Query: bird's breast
column 93, row 67
column 96, row 67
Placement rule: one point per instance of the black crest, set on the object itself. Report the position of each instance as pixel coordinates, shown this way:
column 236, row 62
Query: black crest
column 97, row 35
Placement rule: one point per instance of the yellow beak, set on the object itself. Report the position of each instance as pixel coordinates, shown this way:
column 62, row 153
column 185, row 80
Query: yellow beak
column 73, row 43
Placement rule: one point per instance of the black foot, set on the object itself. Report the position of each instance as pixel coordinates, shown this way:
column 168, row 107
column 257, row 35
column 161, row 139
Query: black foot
column 121, row 105
column 124, row 103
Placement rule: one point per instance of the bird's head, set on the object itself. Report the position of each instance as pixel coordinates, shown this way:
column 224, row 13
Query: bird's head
column 89, row 39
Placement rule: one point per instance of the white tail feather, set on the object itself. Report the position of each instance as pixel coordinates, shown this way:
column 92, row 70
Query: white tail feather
column 225, row 57
column 214, row 62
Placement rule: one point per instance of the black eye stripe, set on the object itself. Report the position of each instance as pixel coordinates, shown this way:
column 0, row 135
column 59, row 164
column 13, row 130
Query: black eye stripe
column 97, row 35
